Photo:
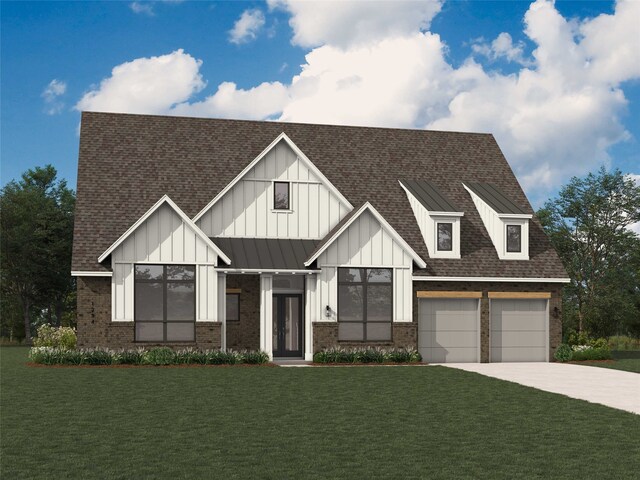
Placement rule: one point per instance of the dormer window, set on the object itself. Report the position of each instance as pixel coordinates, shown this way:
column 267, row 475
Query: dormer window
column 445, row 237
column 281, row 196
column 514, row 238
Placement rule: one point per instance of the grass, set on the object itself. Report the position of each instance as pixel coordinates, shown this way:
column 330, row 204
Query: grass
column 281, row 423
column 628, row 361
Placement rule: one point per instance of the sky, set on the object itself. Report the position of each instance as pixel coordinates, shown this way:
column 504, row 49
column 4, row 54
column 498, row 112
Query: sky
column 557, row 84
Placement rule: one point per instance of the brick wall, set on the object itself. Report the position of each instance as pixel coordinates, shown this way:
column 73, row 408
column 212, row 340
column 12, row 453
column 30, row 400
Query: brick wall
column 245, row 333
column 95, row 328
column 325, row 335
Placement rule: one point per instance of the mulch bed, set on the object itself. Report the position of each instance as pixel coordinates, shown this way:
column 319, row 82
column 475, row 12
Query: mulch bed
column 190, row 365
column 369, row 364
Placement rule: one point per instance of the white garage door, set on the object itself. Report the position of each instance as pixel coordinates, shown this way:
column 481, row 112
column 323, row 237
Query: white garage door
column 448, row 330
column 519, row 330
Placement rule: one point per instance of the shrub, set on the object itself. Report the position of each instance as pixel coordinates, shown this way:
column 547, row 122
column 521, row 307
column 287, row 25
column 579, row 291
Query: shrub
column 190, row 356
column 129, row 357
column 563, row 353
column 97, row 357
column 159, row 356
column 59, row 337
column 591, row 353
column 621, row 342
column 255, row 357
column 367, row 355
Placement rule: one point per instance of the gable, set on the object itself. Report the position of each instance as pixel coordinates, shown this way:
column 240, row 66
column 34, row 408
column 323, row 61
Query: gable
column 246, row 209
column 163, row 235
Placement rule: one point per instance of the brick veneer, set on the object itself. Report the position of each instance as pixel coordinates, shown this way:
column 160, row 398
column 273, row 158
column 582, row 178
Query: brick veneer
column 325, row 335
column 245, row 333
column 555, row 323
column 95, row 328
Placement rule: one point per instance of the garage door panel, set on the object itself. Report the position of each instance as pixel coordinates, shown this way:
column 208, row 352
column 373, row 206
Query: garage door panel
column 444, row 355
column 518, row 330
column 519, row 354
column 452, row 323
column 448, row 330
column 519, row 339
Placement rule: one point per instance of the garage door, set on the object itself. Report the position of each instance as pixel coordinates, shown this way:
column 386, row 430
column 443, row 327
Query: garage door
column 448, row 330
column 518, row 330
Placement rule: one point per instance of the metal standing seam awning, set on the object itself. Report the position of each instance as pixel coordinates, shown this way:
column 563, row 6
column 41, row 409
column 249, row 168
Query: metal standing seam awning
column 266, row 254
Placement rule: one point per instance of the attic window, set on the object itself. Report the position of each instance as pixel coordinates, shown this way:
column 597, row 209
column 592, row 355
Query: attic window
column 445, row 237
column 281, row 196
column 514, row 238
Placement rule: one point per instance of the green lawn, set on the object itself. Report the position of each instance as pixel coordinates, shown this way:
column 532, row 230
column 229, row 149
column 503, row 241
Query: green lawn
column 279, row 423
column 622, row 360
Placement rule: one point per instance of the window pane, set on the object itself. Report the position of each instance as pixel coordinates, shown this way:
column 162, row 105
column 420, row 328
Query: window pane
column 445, row 237
column 349, row 275
column 378, row 331
column 180, row 272
column 514, row 234
column 281, row 196
column 288, row 282
column 148, row 301
column 350, row 302
column 149, row 332
column 379, row 303
column 149, row 272
column 180, row 301
column 181, row 332
column 233, row 307
column 379, row 275
column 350, row 331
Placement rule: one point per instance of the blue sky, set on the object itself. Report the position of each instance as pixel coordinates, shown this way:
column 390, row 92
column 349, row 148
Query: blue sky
column 463, row 65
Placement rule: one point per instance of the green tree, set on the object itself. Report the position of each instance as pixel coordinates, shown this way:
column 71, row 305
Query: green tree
column 36, row 229
column 588, row 224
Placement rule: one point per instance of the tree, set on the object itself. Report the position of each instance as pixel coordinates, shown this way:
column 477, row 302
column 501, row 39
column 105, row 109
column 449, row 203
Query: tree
column 588, row 224
column 36, row 228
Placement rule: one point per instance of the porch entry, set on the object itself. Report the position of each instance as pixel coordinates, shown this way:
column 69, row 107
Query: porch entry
column 287, row 325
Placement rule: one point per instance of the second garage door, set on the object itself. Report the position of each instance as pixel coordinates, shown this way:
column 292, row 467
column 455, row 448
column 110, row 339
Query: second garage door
column 519, row 330
column 448, row 330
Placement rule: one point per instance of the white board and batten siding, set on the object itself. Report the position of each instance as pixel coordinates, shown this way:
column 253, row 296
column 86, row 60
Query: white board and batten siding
column 246, row 210
column 164, row 238
column 365, row 244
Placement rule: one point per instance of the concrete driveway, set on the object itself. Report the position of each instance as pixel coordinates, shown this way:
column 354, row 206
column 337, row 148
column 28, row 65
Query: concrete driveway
column 606, row 386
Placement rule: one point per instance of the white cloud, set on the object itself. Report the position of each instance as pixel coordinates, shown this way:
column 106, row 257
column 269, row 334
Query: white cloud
column 51, row 95
column 247, row 26
column 142, row 8
column 502, row 47
column 355, row 22
column 146, row 85
column 554, row 117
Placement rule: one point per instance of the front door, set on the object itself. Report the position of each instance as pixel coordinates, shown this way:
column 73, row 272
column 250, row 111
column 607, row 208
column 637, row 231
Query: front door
column 287, row 325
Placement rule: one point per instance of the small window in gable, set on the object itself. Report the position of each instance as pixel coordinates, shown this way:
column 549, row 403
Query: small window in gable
column 514, row 238
column 281, row 196
column 445, row 237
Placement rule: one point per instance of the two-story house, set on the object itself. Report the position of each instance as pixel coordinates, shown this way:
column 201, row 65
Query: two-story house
column 291, row 238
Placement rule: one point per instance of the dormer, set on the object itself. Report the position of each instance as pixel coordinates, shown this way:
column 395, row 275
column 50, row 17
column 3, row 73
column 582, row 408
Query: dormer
column 437, row 217
column 506, row 222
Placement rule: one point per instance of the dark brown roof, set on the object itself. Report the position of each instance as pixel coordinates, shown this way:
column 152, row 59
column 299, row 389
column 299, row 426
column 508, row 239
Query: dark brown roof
column 495, row 198
column 429, row 196
column 266, row 253
column 127, row 162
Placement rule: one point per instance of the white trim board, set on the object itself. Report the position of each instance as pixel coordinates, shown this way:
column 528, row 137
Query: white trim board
column 267, row 270
column 254, row 162
column 183, row 216
column 489, row 279
column 390, row 230
column 79, row 273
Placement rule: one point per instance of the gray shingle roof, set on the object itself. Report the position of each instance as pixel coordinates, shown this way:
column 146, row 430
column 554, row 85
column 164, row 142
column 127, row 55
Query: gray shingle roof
column 495, row 198
column 127, row 162
column 429, row 196
column 266, row 253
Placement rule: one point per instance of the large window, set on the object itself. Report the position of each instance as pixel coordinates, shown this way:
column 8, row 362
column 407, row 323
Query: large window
column 281, row 196
column 514, row 238
column 165, row 303
column 365, row 304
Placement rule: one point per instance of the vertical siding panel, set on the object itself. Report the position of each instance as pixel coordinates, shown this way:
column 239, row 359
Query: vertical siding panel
column 305, row 210
column 366, row 257
column 153, row 231
column 201, row 281
column 140, row 254
column 120, row 293
column 178, row 241
column 128, row 291
column 189, row 246
column 212, row 288
column 250, row 213
column 164, row 218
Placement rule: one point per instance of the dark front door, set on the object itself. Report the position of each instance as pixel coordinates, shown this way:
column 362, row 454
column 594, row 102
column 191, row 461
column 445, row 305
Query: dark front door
column 287, row 325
